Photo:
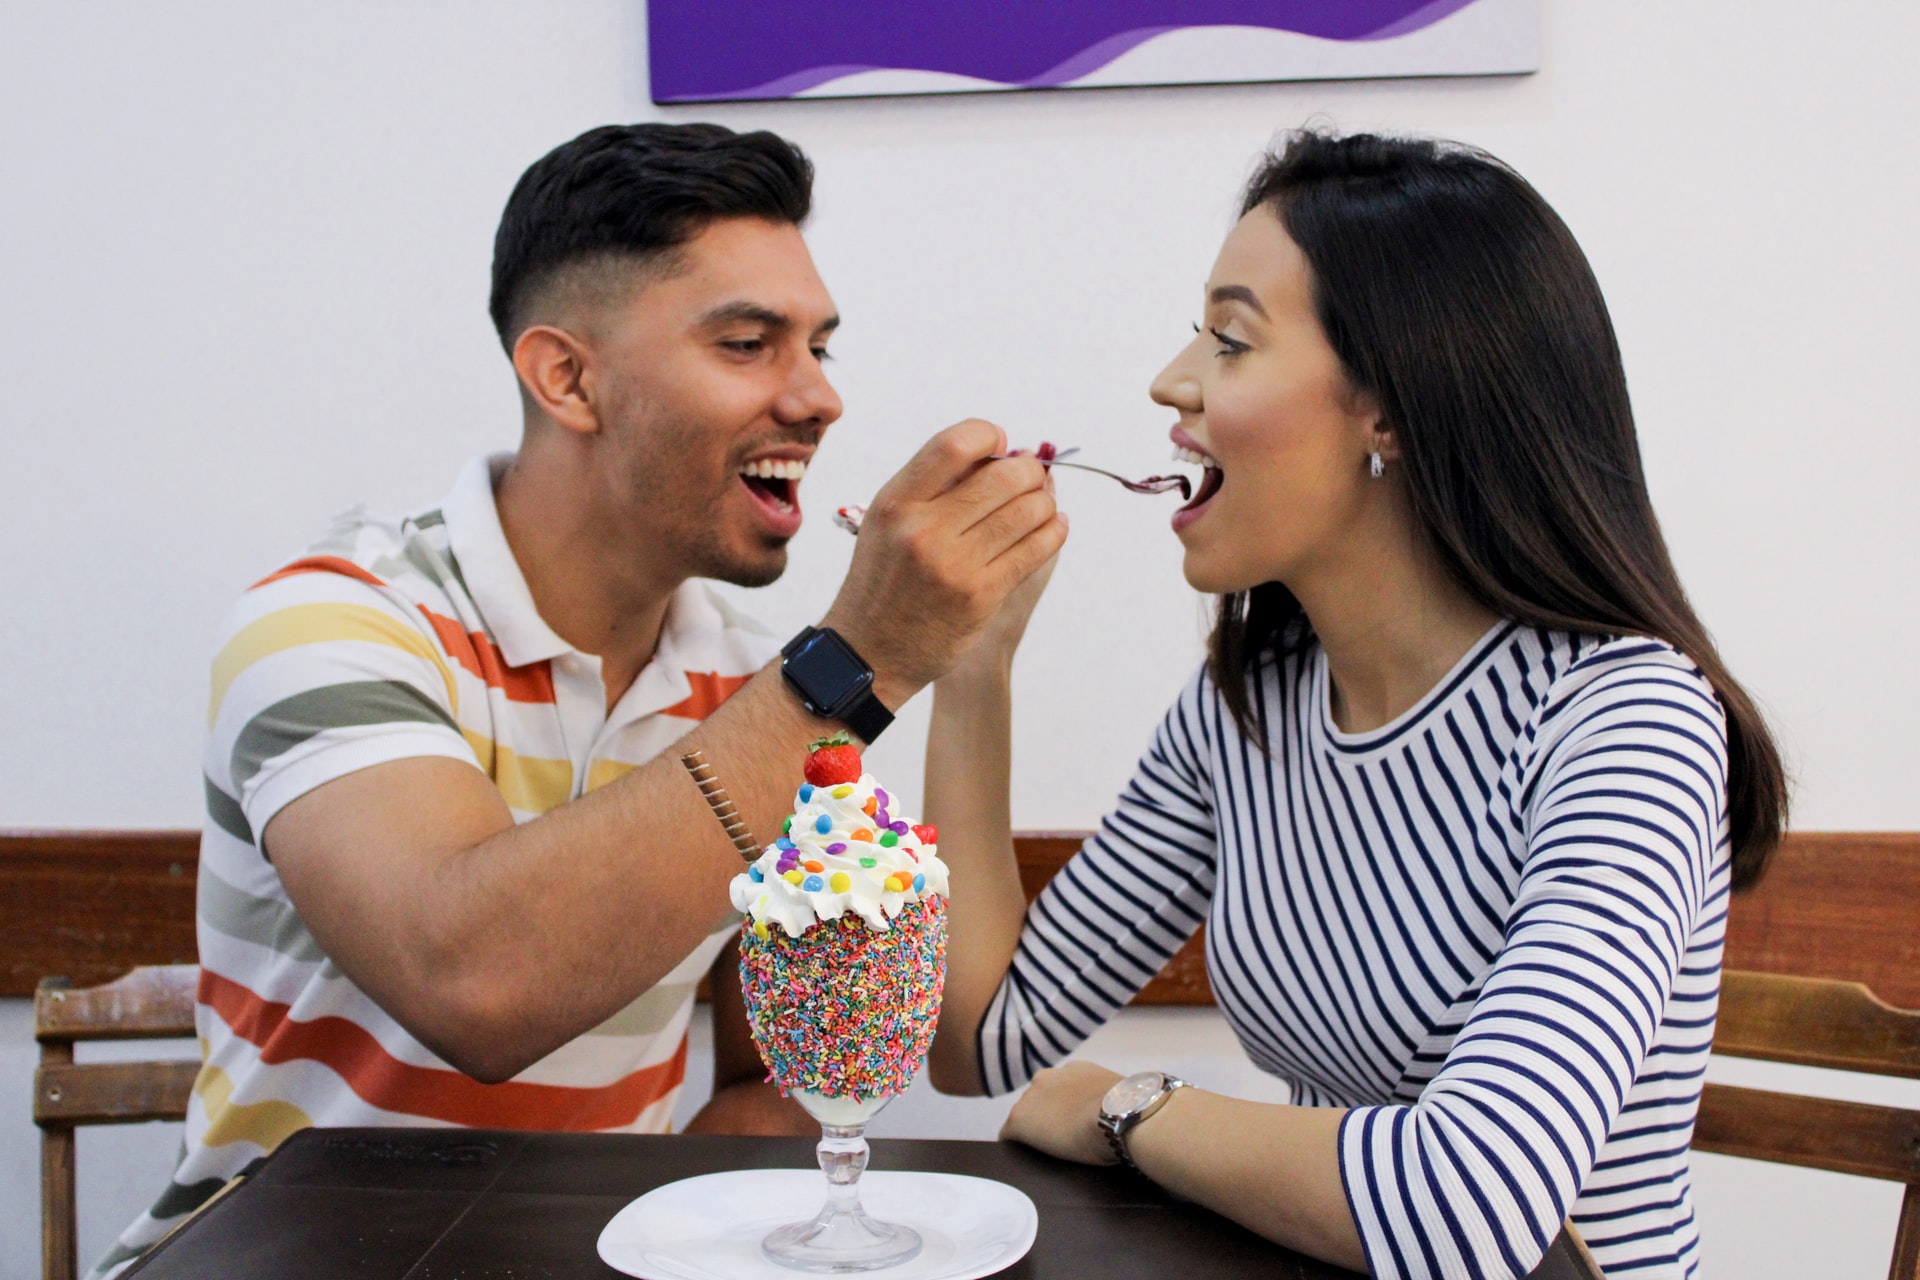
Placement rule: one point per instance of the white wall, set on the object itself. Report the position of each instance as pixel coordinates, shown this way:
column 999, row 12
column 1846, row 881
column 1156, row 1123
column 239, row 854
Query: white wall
column 243, row 272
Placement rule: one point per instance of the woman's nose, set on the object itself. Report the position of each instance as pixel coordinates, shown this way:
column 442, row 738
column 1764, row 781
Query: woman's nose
column 1177, row 386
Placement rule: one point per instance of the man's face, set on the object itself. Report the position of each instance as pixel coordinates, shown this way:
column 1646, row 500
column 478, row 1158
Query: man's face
column 713, row 398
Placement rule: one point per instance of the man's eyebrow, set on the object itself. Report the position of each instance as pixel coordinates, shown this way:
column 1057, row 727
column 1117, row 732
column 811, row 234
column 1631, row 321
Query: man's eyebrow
column 730, row 312
column 1237, row 293
column 754, row 313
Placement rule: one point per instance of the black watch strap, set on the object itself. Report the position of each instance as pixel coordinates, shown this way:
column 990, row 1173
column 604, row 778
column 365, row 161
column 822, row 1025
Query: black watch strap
column 868, row 717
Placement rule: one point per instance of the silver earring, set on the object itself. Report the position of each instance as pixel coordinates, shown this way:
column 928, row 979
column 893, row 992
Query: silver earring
column 1375, row 467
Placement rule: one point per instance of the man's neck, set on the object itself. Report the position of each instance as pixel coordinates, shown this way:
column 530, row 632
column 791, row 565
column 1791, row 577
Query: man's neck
column 598, row 594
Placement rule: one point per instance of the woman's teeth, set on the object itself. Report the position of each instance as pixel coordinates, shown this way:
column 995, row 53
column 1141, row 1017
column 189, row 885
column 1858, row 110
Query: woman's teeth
column 1192, row 456
column 775, row 469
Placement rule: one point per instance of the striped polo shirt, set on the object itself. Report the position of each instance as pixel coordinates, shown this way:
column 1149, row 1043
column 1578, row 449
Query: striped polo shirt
column 391, row 640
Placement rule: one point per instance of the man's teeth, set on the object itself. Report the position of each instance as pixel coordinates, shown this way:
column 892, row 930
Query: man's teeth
column 775, row 469
column 1192, row 456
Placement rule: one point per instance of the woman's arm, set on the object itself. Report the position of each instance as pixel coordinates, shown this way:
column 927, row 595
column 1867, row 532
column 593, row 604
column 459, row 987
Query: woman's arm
column 969, row 773
column 1273, row 1169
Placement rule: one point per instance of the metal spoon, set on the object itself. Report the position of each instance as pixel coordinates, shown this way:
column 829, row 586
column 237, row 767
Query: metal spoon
column 849, row 518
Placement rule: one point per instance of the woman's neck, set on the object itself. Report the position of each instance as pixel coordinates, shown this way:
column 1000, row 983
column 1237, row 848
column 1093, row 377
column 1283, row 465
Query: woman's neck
column 1392, row 623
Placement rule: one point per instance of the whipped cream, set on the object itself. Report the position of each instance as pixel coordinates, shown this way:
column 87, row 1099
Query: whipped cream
column 846, row 848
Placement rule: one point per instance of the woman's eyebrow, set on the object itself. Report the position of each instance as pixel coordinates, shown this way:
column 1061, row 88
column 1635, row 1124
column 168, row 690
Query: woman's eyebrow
column 1237, row 293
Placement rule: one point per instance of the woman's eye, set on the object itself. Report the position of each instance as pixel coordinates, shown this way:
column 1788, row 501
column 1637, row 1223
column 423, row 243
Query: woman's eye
column 1229, row 346
column 822, row 354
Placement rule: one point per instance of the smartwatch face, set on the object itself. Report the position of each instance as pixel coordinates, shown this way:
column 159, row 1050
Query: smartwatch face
column 829, row 670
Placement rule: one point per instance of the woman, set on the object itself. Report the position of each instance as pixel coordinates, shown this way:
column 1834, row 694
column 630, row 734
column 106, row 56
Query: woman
column 1460, row 791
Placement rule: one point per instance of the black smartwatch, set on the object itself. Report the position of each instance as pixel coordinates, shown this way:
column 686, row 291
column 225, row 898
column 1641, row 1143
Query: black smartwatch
column 834, row 682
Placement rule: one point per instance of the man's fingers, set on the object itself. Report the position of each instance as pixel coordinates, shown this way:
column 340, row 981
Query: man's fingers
column 950, row 457
column 990, row 488
column 1008, row 523
column 1032, row 553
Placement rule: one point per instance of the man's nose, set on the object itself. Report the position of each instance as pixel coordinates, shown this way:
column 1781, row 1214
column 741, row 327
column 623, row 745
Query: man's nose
column 809, row 396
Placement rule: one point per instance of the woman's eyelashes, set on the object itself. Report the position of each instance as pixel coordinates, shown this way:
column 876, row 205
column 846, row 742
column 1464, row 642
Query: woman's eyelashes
column 1229, row 347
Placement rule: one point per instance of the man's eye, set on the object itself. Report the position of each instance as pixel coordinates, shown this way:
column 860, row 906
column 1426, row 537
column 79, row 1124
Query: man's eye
column 745, row 346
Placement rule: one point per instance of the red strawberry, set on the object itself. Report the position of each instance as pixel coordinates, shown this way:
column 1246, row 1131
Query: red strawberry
column 832, row 761
column 928, row 833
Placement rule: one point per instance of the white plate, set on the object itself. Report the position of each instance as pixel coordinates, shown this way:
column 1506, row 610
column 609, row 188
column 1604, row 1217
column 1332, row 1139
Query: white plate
column 710, row 1227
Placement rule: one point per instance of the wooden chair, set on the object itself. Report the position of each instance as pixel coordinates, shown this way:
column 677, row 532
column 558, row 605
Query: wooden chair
column 1836, row 924
column 153, row 1003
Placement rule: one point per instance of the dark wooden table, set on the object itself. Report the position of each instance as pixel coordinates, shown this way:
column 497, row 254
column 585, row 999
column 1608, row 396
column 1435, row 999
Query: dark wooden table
column 388, row 1204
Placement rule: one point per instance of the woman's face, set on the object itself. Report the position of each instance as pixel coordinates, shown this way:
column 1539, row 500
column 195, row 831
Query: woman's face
column 1264, row 399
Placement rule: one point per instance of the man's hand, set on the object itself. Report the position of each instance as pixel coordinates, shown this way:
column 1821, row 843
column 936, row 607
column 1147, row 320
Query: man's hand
column 1060, row 1113
column 942, row 546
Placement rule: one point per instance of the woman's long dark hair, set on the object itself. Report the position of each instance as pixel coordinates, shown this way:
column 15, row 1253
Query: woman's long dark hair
column 1456, row 296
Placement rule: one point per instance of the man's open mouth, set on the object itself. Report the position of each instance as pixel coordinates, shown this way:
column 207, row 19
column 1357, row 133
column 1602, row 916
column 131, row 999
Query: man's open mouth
column 775, row 482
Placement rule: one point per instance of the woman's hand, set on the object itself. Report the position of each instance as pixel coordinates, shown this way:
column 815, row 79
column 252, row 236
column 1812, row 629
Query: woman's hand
column 1060, row 1113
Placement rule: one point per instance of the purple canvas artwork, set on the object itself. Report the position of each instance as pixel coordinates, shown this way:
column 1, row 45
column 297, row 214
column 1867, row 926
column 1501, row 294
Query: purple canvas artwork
column 756, row 49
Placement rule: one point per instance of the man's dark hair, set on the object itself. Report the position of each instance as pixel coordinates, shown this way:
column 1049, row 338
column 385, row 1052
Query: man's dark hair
column 636, row 192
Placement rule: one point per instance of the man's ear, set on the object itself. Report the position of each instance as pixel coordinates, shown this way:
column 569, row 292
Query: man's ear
column 552, row 366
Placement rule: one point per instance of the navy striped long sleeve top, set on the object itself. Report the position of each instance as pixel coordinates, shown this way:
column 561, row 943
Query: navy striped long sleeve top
column 1491, row 929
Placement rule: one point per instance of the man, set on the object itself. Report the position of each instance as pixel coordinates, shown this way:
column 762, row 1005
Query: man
column 452, row 873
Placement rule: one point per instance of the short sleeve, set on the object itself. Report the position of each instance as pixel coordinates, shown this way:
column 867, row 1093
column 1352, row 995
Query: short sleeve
column 320, row 675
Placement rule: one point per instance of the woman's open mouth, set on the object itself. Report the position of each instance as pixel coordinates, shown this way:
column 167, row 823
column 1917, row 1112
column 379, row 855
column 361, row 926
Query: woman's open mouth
column 774, row 486
column 1211, row 477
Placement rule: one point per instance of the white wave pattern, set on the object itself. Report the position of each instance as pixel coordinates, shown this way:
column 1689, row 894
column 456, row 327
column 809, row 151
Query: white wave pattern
column 1490, row 37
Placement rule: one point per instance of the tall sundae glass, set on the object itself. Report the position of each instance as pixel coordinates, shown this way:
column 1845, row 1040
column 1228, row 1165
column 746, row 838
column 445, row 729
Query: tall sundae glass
column 842, row 962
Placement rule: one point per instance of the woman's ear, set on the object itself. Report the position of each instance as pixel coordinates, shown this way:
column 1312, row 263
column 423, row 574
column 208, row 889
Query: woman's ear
column 553, row 368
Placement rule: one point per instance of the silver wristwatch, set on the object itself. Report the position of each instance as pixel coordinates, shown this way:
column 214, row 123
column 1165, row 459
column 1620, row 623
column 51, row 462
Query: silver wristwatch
column 1132, row 1101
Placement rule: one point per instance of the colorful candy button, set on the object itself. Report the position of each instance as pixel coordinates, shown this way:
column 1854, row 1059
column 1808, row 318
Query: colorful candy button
column 823, row 824
column 811, row 865
column 863, row 835
column 919, row 884
column 888, row 839
column 787, row 826
column 869, row 806
column 783, row 843
column 928, row 833
column 760, row 930
column 754, row 874
column 792, row 877
column 901, row 828
column 841, row 882
column 884, row 818
column 868, row 862
column 806, row 792
column 880, row 794
column 836, row 847
column 812, row 884
column 842, row 791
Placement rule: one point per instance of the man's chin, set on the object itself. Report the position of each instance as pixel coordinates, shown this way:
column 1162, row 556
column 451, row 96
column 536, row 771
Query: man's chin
column 751, row 571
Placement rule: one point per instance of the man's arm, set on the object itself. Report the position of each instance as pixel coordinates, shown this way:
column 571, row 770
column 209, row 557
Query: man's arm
column 495, row 944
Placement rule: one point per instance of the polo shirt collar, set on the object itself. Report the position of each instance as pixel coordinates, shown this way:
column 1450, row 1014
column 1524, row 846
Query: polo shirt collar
column 487, row 567
column 692, row 632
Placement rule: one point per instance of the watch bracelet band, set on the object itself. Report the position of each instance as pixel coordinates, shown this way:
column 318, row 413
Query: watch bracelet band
column 1117, row 1137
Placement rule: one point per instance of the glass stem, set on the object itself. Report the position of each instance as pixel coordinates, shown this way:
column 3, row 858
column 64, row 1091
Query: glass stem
column 843, row 1158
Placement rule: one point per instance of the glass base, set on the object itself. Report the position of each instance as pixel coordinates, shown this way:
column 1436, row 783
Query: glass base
column 841, row 1239
column 841, row 1243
